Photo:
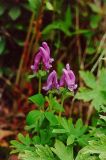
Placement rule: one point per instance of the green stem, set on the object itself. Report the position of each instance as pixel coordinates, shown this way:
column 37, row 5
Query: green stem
column 50, row 97
column 62, row 102
column 39, row 89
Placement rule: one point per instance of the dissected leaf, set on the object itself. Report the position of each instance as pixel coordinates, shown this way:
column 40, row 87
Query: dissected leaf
column 97, row 147
column 85, row 94
column 88, row 78
column 63, row 152
column 28, row 155
column 19, row 147
column 24, row 139
column 96, row 92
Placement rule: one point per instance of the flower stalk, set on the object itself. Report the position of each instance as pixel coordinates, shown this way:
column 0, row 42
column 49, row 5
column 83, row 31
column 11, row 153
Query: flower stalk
column 39, row 88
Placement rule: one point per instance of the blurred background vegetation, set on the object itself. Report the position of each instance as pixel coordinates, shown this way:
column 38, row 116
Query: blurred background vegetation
column 75, row 31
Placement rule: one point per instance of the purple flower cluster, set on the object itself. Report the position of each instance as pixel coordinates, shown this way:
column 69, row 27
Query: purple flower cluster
column 67, row 79
column 43, row 56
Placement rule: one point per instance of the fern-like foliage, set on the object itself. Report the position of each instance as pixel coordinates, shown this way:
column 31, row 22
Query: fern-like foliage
column 95, row 90
column 40, row 153
column 96, row 149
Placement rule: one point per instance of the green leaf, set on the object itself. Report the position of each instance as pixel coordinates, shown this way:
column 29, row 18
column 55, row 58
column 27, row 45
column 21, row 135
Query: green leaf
column 33, row 116
column 80, row 129
column 42, row 73
column 2, row 8
column 14, row 13
column 102, row 79
column 51, row 118
column 49, row 6
column 103, row 117
column 88, row 78
column 63, row 152
column 36, row 140
column 37, row 99
column 96, row 147
column 2, row 45
column 94, row 21
column 65, row 125
column 95, row 8
column 62, row 25
column 39, row 153
column 59, row 131
column 56, row 25
column 97, row 92
column 68, row 17
column 28, row 155
column 19, row 42
column 25, row 140
column 90, row 50
column 31, row 76
column 34, row 5
column 99, row 100
column 70, row 139
column 85, row 94
column 56, row 106
column 45, row 153
column 80, row 31
column 19, row 147
column 79, row 124
column 86, row 157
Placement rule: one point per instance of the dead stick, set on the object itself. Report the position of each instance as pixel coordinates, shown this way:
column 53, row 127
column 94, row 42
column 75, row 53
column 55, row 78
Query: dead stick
column 24, row 50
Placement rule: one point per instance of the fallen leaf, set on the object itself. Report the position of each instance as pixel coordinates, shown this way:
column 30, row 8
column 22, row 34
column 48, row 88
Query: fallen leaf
column 5, row 133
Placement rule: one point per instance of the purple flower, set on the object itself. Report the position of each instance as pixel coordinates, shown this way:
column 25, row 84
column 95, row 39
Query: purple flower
column 52, row 81
column 45, row 51
column 43, row 56
column 37, row 60
column 68, row 78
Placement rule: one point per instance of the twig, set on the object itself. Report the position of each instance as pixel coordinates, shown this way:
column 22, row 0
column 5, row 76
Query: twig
column 36, row 35
column 90, row 110
column 98, row 51
column 72, row 107
column 38, row 25
column 79, row 55
column 24, row 50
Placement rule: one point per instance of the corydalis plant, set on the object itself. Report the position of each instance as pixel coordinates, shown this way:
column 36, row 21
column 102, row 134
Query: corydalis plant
column 47, row 118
